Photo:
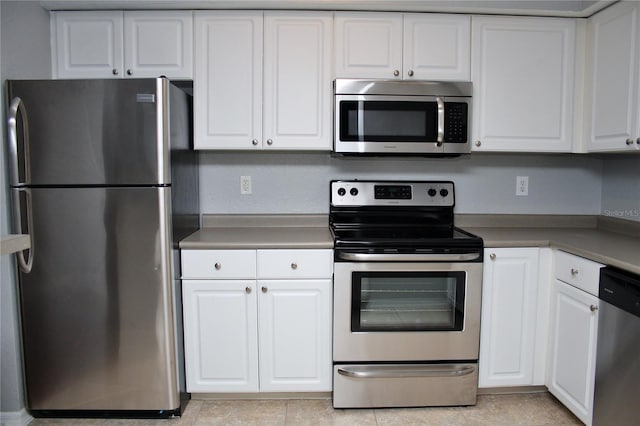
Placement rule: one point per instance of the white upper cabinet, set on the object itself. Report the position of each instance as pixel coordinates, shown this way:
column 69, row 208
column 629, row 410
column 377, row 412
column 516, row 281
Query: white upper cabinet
column 523, row 70
column 437, row 47
column 107, row 44
column 402, row 46
column 263, row 82
column 368, row 45
column 297, row 80
column 158, row 43
column 612, row 119
column 87, row 44
column 227, row 82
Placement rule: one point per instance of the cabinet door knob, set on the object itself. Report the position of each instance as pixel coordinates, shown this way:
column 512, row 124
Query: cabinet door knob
column 593, row 308
column 492, row 256
column 294, row 265
column 114, row 71
column 247, row 290
column 217, row 266
column 254, row 142
column 264, row 289
column 129, row 72
column 574, row 271
column 410, row 73
column 269, row 142
column 638, row 141
column 396, row 73
column 478, row 143
column 629, row 141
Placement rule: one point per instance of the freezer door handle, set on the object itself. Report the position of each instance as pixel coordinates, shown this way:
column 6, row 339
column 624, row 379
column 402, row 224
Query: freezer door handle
column 396, row 371
column 25, row 265
column 17, row 108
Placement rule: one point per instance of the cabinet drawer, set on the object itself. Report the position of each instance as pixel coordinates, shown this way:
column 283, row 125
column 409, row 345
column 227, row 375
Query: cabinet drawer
column 295, row 263
column 227, row 264
column 578, row 271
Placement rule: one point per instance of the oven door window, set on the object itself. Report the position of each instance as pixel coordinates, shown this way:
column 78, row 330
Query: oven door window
column 407, row 301
column 388, row 121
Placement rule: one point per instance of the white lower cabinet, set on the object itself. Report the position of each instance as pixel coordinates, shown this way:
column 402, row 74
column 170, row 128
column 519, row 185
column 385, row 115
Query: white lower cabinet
column 573, row 334
column 252, row 335
column 221, row 335
column 514, row 317
column 294, row 318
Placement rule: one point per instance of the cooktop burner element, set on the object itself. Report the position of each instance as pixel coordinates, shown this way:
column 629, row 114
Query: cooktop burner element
column 394, row 215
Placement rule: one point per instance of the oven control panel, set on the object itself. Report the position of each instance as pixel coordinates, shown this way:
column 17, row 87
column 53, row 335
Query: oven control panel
column 398, row 193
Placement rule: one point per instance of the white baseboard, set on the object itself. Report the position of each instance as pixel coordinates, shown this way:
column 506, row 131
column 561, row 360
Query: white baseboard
column 15, row 418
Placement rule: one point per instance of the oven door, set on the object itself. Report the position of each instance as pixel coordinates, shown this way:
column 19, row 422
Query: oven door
column 406, row 311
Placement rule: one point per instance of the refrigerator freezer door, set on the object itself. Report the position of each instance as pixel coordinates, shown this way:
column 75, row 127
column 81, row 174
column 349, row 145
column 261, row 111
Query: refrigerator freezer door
column 93, row 132
column 97, row 307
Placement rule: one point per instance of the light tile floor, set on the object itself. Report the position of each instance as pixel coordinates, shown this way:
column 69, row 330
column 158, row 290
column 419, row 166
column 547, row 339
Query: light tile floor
column 530, row 409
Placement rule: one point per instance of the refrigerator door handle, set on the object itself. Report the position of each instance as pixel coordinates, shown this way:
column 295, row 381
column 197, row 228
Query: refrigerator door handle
column 25, row 265
column 17, row 108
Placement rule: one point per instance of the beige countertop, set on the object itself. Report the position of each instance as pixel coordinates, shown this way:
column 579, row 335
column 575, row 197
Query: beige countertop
column 611, row 242
column 261, row 232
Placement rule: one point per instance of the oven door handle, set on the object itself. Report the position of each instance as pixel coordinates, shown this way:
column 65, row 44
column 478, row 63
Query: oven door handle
column 396, row 371
column 408, row 257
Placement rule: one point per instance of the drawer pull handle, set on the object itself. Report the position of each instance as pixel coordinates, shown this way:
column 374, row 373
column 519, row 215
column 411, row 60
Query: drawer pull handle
column 294, row 266
column 492, row 256
column 218, row 266
column 574, row 271
column 265, row 289
column 247, row 290
column 593, row 308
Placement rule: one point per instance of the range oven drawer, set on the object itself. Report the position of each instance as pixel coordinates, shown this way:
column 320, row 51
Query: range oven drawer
column 404, row 385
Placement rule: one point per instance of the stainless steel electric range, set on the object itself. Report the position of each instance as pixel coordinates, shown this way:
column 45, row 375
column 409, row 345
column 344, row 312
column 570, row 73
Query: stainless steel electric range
column 407, row 293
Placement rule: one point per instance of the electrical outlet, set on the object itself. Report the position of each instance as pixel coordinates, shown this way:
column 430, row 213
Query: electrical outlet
column 522, row 185
column 245, row 185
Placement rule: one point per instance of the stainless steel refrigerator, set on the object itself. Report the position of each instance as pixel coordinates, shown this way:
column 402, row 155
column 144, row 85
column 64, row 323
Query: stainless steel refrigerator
column 104, row 180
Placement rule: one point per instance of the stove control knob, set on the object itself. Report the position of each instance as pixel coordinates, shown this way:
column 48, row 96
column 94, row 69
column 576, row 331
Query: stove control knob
column 353, row 191
column 444, row 192
column 341, row 191
column 432, row 192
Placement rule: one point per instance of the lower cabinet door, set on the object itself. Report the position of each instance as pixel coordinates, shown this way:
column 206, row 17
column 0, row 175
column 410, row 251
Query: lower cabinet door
column 295, row 335
column 509, row 317
column 574, row 327
column 220, row 335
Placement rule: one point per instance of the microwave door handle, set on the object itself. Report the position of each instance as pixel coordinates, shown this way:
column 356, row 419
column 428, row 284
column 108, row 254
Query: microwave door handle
column 440, row 139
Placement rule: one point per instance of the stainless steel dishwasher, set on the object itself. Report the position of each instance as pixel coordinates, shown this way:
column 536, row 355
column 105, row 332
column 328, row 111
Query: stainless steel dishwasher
column 616, row 396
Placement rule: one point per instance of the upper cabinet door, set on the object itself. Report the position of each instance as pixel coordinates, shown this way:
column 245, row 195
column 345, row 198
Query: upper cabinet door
column 158, row 43
column 437, row 47
column 523, row 74
column 368, row 45
column 227, row 82
column 87, row 44
column 116, row 44
column 613, row 92
column 297, row 80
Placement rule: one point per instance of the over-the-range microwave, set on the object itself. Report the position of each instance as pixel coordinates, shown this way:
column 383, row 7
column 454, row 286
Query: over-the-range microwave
column 401, row 117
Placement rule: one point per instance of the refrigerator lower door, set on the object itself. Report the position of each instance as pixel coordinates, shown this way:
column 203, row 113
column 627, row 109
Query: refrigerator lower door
column 97, row 310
